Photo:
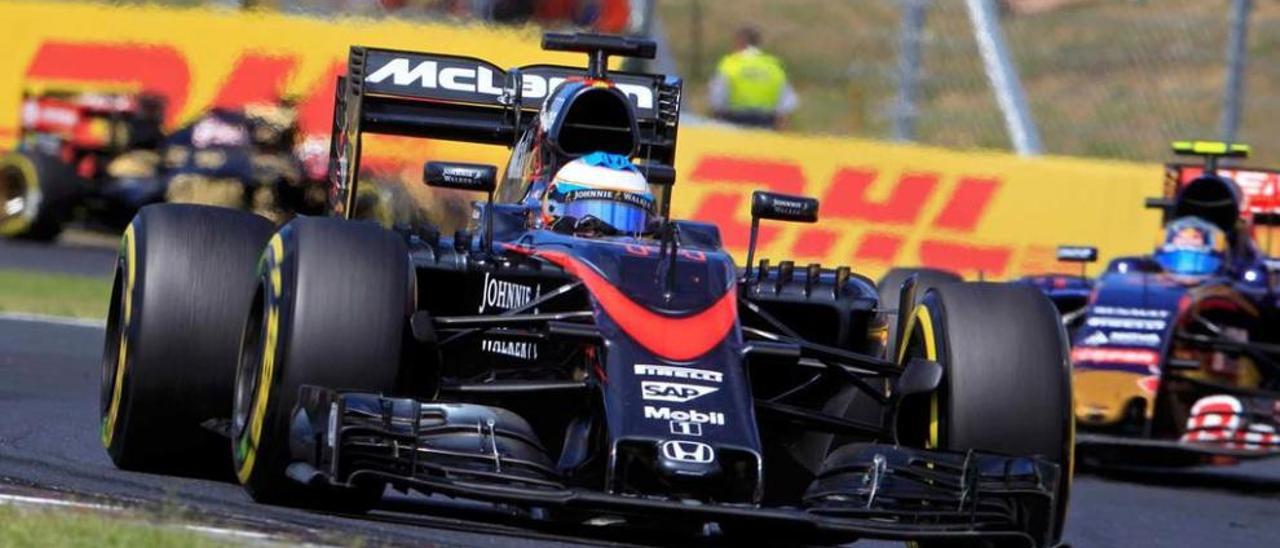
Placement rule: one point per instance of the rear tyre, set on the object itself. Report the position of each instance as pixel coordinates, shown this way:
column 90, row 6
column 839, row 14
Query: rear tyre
column 331, row 307
column 182, row 288
column 1006, row 384
column 37, row 194
column 890, row 286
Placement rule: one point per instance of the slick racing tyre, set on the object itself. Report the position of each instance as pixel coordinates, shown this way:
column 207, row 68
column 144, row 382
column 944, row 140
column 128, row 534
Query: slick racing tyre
column 182, row 288
column 37, row 194
column 1006, row 383
column 890, row 287
column 331, row 307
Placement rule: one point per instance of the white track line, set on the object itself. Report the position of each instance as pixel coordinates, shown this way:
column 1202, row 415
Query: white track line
column 44, row 501
column 203, row 529
column 58, row 320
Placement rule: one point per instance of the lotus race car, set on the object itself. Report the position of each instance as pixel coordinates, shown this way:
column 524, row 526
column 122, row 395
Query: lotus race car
column 565, row 367
column 1175, row 353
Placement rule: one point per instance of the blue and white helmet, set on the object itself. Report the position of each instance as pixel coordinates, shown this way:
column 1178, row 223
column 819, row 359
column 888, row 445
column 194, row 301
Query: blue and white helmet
column 605, row 186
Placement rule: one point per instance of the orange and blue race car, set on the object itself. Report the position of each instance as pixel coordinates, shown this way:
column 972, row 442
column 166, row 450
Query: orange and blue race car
column 575, row 354
column 1176, row 354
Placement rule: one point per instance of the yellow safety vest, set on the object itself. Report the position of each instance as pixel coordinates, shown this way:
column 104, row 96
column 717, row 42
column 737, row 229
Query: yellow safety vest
column 755, row 80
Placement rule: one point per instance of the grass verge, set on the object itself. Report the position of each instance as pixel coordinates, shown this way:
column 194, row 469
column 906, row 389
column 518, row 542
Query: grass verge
column 23, row 527
column 54, row 294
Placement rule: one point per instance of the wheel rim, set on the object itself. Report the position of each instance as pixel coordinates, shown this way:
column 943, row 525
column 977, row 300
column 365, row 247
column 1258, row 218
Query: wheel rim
column 248, row 370
column 111, row 352
column 13, row 193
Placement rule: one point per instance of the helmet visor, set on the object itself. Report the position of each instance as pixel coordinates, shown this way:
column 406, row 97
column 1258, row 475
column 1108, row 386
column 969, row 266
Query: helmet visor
column 626, row 212
column 1189, row 262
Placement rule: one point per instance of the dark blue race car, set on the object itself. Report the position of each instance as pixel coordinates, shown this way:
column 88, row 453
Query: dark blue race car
column 1175, row 353
column 574, row 354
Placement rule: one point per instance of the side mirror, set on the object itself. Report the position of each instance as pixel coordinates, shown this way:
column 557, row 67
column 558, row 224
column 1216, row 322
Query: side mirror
column 457, row 175
column 1164, row 204
column 1077, row 254
column 777, row 207
column 658, row 174
column 783, row 207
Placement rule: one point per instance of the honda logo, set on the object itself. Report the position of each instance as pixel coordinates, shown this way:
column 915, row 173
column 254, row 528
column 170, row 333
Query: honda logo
column 688, row 451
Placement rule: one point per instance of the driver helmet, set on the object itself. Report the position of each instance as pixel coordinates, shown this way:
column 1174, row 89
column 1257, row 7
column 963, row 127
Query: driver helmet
column 1192, row 247
column 601, row 186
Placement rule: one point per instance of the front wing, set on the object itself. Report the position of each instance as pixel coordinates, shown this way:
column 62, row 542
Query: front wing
column 898, row 493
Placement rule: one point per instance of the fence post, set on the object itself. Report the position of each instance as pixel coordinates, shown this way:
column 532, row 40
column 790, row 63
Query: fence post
column 1233, row 98
column 909, row 40
column 1003, row 77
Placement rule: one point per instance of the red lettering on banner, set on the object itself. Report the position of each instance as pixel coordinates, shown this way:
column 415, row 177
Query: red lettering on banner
column 991, row 260
column 847, row 197
column 256, row 78
column 156, row 69
column 315, row 112
column 967, row 204
column 878, row 246
column 814, row 242
column 723, row 208
column 784, row 177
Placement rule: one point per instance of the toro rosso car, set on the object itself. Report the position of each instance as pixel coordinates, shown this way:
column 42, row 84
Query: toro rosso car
column 574, row 353
column 1175, row 353
column 97, row 157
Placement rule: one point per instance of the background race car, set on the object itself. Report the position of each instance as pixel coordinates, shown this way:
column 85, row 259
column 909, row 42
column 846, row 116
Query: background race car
column 1175, row 353
column 94, row 158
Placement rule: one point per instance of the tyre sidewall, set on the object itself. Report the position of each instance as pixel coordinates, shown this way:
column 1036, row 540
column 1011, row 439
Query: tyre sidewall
column 338, row 294
column 1006, row 384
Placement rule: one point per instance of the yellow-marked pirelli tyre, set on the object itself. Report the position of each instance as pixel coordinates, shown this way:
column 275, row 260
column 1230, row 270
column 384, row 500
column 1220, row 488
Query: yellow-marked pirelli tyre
column 183, row 284
column 331, row 309
column 1006, row 384
column 890, row 287
column 37, row 195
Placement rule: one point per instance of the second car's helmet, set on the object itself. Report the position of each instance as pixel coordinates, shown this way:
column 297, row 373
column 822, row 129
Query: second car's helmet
column 602, row 189
column 1192, row 247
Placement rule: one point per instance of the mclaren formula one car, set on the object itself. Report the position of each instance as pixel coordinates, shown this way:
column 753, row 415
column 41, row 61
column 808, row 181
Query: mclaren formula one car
column 570, row 369
column 95, row 158
column 1175, row 353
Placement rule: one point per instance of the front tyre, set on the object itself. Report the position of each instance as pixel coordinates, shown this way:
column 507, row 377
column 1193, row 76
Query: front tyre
column 181, row 291
column 331, row 307
column 1006, row 384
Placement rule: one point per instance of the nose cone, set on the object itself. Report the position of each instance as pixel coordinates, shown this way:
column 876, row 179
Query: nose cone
column 1103, row 398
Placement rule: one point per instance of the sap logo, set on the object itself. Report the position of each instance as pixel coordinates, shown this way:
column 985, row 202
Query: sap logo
column 694, row 452
column 481, row 79
column 505, row 295
column 665, row 413
column 670, row 391
column 688, row 373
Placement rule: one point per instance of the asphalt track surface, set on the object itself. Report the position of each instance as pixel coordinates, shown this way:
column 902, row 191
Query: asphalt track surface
column 49, row 375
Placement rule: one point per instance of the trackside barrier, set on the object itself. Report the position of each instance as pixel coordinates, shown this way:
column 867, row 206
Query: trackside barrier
column 882, row 204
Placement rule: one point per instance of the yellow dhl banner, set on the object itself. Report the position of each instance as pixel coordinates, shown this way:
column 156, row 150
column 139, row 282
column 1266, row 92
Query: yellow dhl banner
column 198, row 58
column 882, row 204
column 885, row 205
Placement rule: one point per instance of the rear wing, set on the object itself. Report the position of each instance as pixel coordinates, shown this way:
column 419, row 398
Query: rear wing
column 1259, row 188
column 467, row 99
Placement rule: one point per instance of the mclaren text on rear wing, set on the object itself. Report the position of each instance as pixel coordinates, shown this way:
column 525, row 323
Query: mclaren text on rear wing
column 471, row 100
